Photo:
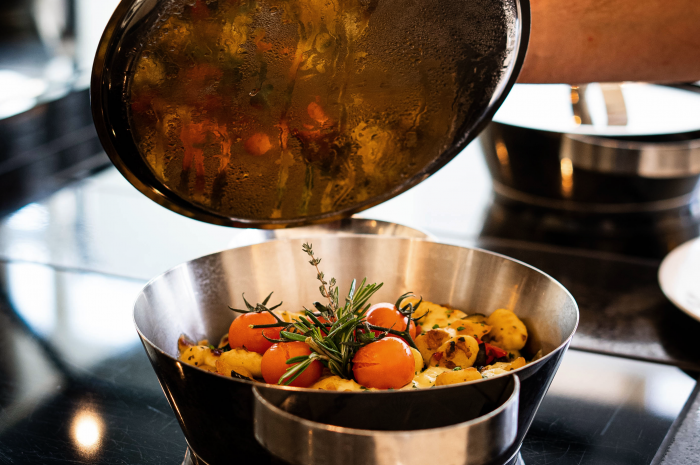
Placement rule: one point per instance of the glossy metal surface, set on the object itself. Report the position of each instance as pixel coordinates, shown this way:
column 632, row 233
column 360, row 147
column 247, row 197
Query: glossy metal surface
column 626, row 109
column 193, row 299
column 114, row 62
column 344, row 227
column 299, row 440
column 592, row 174
column 675, row 159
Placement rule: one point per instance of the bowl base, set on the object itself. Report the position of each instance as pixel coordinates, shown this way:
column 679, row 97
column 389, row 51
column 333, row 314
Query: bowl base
column 192, row 459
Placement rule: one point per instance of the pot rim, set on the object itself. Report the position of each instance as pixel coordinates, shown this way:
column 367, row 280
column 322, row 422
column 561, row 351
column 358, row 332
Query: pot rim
column 185, row 366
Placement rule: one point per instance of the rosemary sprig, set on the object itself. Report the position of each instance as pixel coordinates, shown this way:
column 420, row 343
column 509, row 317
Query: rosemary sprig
column 332, row 293
column 335, row 341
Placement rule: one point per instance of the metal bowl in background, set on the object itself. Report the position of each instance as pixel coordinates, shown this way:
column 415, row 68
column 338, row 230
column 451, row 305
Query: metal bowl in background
column 286, row 434
column 631, row 162
column 216, row 413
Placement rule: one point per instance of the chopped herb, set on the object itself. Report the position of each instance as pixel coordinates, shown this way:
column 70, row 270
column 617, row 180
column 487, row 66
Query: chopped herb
column 436, row 326
column 456, row 368
column 461, row 328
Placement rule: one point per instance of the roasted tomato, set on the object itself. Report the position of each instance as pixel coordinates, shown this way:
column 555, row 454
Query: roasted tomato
column 384, row 364
column 387, row 316
column 242, row 336
column 274, row 364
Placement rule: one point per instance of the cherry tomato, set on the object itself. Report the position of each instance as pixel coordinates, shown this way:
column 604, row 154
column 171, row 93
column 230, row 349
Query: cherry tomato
column 241, row 336
column 387, row 316
column 384, row 364
column 274, row 363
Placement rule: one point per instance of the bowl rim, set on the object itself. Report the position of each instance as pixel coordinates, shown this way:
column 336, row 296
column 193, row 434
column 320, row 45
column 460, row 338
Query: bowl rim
column 185, row 366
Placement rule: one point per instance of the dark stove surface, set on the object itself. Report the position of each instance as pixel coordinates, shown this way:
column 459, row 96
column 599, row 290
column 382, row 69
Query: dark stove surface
column 76, row 387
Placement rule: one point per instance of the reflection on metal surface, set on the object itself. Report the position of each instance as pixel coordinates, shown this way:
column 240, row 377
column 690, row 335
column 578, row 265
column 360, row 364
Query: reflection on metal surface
column 649, row 159
column 502, row 154
column 578, row 105
column 567, row 178
column 614, row 104
column 647, row 109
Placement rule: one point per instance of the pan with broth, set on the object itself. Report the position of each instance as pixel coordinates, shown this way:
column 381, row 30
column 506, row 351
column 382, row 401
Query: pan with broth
column 288, row 109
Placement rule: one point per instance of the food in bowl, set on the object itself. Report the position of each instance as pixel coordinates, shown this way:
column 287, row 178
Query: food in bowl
column 358, row 346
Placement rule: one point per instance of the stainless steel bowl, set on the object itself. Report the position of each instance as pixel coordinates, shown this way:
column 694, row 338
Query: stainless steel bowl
column 216, row 413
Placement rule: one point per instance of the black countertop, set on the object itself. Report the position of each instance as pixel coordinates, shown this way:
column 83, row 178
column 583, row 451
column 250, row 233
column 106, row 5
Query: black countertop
column 76, row 386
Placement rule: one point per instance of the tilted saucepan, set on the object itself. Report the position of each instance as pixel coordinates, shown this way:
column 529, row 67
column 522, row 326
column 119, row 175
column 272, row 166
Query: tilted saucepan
column 216, row 413
column 279, row 113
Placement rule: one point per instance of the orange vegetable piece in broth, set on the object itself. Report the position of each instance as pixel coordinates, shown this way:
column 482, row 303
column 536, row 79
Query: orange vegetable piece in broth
column 258, row 144
column 316, row 113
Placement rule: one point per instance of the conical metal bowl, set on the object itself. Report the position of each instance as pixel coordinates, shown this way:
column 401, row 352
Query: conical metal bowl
column 216, row 413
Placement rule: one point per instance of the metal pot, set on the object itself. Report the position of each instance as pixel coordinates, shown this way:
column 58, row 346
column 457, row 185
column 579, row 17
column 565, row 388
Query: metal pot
column 216, row 413
column 458, row 59
column 632, row 163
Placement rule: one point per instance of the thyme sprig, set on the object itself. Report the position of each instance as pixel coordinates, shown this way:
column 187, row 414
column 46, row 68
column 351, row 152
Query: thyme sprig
column 333, row 332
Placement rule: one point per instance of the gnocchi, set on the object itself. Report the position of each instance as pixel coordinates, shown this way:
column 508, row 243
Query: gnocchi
column 452, row 348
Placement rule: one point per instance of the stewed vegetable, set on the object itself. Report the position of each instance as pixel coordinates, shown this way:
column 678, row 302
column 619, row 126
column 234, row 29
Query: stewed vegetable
column 359, row 346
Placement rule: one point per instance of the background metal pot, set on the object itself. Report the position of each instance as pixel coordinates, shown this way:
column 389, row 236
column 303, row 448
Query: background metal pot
column 634, row 161
column 216, row 413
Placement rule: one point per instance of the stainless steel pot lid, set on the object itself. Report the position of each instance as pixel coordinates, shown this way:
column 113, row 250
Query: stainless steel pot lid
column 627, row 109
column 276, row 113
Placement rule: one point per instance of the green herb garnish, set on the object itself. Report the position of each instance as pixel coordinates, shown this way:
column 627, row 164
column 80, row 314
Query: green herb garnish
column 335, row 341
